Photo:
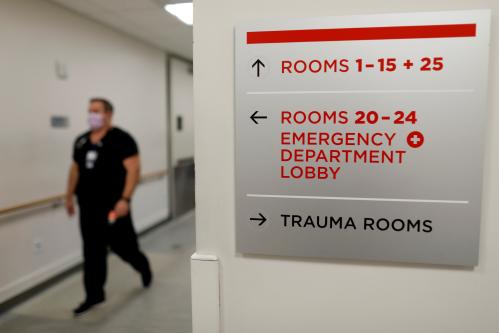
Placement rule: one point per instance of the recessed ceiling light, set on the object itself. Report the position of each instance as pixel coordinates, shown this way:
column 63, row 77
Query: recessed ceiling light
column 183, row 11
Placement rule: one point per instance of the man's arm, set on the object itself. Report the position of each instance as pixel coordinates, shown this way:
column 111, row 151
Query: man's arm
column 72, row 181
column 132, row 166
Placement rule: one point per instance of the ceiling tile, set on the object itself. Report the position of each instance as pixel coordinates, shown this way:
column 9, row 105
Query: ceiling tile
column 80, row 6
column 120, row 5
column 143, row 19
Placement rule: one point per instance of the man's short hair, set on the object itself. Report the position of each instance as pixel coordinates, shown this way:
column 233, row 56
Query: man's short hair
column 108, row 106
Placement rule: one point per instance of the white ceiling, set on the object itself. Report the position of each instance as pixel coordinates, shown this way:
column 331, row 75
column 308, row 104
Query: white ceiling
column 143, row 19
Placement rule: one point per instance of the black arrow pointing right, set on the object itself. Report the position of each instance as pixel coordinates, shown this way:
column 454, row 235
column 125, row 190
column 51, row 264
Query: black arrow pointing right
column 262, row 219
column 254, row 117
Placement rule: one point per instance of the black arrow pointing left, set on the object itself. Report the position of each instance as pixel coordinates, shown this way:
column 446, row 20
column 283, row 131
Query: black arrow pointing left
column 254, row 117
column 262, row 219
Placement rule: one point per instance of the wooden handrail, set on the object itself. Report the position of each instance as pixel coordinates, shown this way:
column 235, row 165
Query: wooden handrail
column 58, row 199
column 153, row 176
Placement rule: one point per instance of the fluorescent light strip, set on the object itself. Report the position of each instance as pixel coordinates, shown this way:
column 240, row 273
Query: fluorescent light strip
column 183, row 11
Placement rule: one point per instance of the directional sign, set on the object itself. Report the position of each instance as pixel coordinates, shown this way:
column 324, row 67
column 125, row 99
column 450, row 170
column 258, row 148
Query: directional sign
column 362, row 137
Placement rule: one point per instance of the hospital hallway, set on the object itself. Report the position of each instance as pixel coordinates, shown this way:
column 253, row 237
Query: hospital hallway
column 234, row 166
column 165, row 307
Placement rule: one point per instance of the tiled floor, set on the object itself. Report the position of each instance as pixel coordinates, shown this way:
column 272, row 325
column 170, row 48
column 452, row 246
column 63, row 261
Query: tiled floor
column 164, row 308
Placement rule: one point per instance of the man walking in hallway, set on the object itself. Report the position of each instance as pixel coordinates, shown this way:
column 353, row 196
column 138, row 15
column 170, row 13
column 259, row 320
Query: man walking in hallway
column 103, row 175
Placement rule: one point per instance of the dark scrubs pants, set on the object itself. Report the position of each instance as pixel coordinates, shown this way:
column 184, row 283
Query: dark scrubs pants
column 97, row 237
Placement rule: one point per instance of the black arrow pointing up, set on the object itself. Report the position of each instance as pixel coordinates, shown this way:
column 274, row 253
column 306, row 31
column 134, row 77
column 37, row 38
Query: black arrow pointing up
column 254, row 117
column 258, row 63
column 262, row 219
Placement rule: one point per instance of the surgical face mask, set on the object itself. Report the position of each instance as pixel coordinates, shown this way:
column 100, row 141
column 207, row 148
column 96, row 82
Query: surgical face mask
column 95, row 120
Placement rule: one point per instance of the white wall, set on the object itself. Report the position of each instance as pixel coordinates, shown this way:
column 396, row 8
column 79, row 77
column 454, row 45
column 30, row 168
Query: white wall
column 34, row 35
column 181, row 83
column 291, row 295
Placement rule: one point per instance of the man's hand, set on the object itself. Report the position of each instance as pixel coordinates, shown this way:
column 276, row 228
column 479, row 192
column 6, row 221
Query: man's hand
column 72, row 181
column 70, row 206
column 122, row 208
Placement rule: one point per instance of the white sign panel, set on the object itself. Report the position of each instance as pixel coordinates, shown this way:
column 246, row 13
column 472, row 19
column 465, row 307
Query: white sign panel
column 362, row 137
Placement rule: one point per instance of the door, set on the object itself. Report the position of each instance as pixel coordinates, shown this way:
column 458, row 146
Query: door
column 182, row 134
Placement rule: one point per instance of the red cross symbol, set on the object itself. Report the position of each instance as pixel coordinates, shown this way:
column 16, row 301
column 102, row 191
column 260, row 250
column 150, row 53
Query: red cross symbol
column 415, row 139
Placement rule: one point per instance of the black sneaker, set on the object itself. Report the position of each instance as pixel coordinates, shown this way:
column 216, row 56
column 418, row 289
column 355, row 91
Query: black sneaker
column 147, row 278
column 85, row 306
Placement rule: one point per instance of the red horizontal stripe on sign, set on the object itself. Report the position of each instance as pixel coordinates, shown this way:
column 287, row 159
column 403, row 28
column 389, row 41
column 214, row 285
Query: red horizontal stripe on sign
column 371, row 33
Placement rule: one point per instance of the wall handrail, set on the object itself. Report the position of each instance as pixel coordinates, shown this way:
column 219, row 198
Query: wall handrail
column 58, row 199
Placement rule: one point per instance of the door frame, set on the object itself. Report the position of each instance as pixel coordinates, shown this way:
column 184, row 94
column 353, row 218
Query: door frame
column 169, row 138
